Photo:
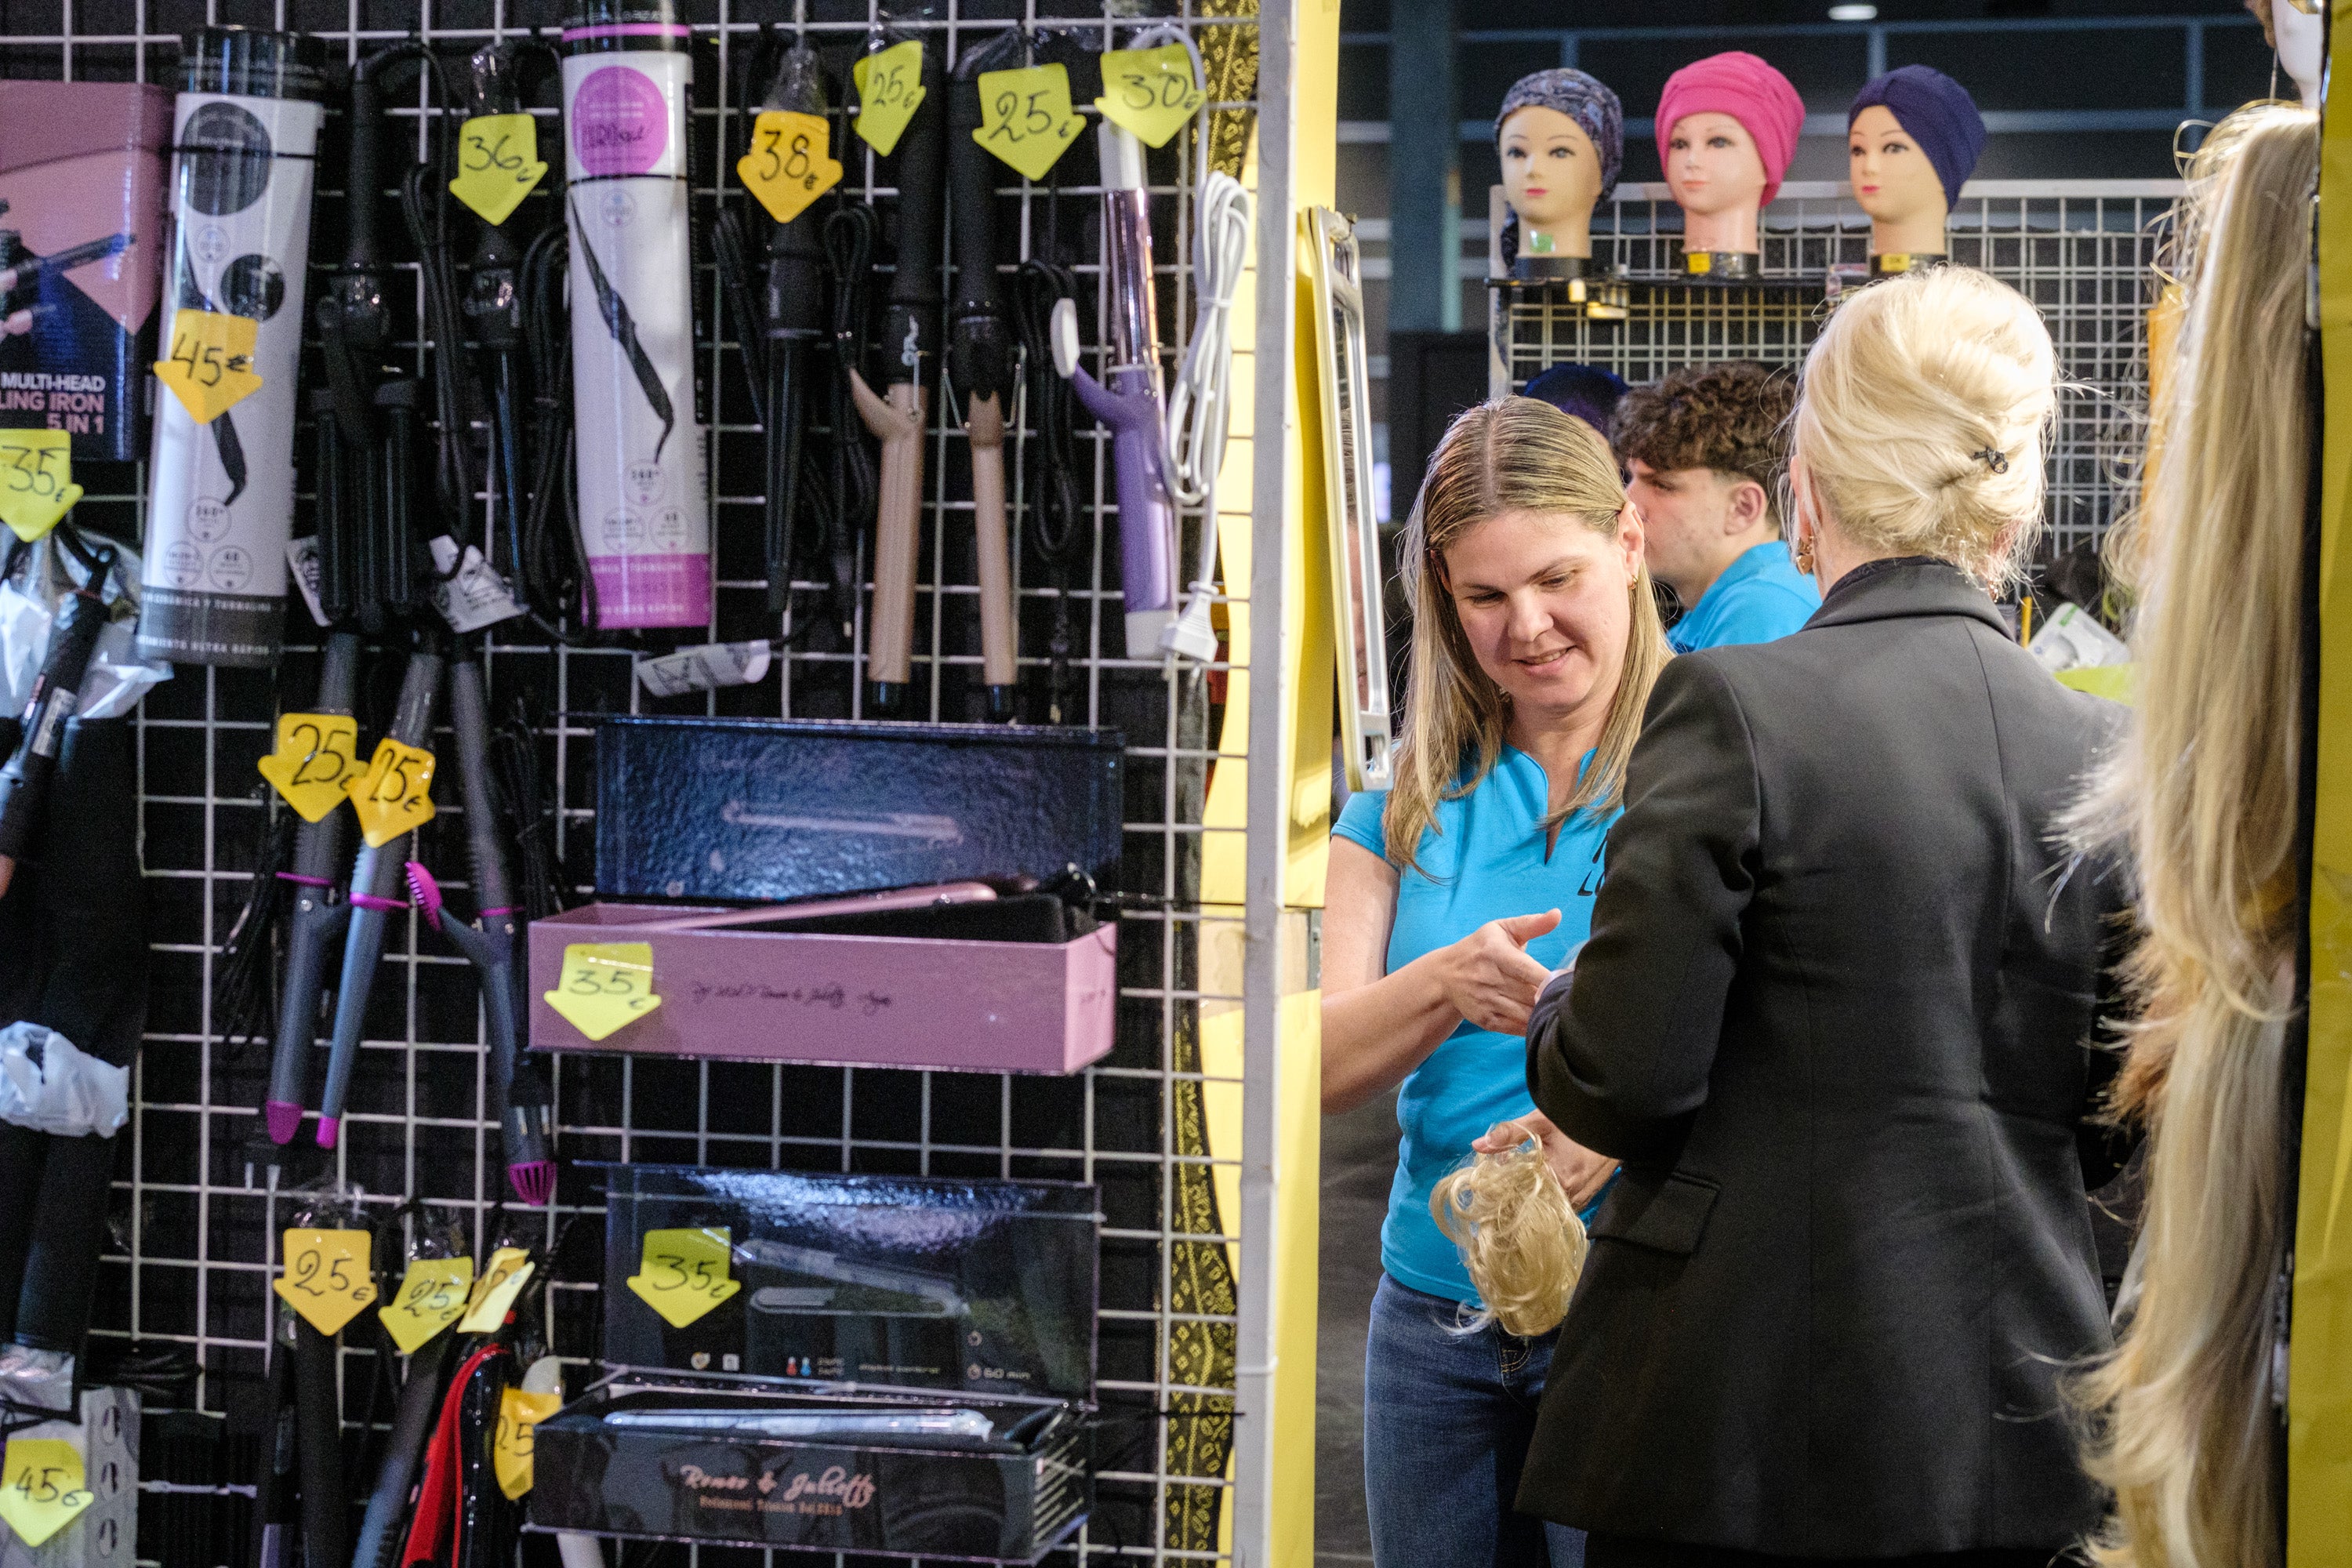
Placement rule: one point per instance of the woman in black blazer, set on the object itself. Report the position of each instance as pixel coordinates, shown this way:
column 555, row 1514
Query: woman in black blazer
column 1836, row 1018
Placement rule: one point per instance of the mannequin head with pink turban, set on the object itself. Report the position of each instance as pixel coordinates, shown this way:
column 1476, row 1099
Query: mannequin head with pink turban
column 1727, row 128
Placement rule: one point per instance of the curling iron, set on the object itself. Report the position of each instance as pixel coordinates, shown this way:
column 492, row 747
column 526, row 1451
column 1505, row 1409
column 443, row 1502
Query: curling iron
column 940, row 1296
column 970, row 1425
column 57, row 690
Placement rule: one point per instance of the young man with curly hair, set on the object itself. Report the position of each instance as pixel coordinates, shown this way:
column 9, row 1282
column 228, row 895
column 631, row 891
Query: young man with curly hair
column 1706, row 451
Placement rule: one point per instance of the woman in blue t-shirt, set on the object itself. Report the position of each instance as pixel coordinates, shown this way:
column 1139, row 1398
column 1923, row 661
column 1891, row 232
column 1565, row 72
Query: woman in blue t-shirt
column 1452, row 897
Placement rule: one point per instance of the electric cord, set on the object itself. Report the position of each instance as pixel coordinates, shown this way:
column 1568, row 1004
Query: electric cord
column 554, row 580
column 244, row 980
column 1056, row 520
column 520, row 788
column 427, row 212
column 850, row 233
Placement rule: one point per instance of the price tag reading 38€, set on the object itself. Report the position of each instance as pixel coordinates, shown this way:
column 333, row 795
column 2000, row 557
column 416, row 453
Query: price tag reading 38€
column 393, row 795
column 605, row 986
column 510, row 1269
column 431, row 1296
column 1149, row 92
column 889, row 90
column 37, row 484
column 788, row 167
column 41, row 1487
column 208, row 362
column 683, row 1273
column 511, row 1450
column 1025, row 117
column 498, row 164
column 327, row 1279
column 315, row 756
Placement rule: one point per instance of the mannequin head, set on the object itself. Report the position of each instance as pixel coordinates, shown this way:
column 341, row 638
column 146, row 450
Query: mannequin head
column 2300, row 36
column 1727, row 128
column 1560, row 136
column 1913, row 136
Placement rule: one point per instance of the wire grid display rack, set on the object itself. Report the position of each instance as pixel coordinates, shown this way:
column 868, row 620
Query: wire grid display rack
column 193, row 1230
column 2083, row 251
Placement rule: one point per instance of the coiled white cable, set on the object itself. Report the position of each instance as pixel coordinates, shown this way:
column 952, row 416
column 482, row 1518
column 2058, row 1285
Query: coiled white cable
column 1200, row 404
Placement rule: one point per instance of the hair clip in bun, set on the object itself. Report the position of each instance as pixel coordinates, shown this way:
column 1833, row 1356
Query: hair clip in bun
column 1993, row 458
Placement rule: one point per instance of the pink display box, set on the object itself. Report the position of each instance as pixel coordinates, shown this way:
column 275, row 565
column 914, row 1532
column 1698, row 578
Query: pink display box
column 851, row 1001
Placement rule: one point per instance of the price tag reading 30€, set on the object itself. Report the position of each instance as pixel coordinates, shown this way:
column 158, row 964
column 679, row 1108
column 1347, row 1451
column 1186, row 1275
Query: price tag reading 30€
column 683, row 1273
column 605, row 986
column 1149, row 92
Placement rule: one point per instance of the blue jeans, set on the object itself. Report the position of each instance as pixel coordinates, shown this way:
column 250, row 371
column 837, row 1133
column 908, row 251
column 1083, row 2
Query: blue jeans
column 1447, row 1419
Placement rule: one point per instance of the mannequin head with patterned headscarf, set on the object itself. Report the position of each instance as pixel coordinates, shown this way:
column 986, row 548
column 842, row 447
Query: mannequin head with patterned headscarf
column 1560, row 136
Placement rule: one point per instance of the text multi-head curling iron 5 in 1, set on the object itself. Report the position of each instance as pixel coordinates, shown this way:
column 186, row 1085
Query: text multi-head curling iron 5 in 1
column 644, row 509
column 221, row 491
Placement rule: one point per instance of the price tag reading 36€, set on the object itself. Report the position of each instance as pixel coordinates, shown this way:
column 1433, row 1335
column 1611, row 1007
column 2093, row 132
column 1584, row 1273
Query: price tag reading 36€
column 605, row 986
column 684, row 1273
column 431, row 1296
column 889, row 90
column 510, row 1269
column 394, row 793
column 787, row 167
column 208, row 362
column 498, row 164
column 1025, row 117
column 37, row 484
column 1149, row 92
column 41, row 1487
column 512, row 1450
column 316, row 753
column 327, row 1279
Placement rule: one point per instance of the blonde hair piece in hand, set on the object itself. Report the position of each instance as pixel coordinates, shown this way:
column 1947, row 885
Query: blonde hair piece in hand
column 1520, row 1240
column 2203, row 797
column 1921, row 418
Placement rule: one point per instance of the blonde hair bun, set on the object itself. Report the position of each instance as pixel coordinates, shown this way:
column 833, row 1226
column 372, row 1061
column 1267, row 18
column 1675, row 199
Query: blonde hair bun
column 1520, row 1240
column 1921, row 417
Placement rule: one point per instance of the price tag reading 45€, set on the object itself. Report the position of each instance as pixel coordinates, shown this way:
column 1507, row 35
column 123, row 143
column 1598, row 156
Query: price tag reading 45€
column 327, row 1279
column 889, row 90
column 315, row 756
column 393, row 795
column 787, row 167
column 1149, row 92
column 41, row 1487
column 430, row 1297
column 1025, row 117
column 37, row 484
column 208, row 363
column 605, row 986
column 684, row 1273
column 498, row 164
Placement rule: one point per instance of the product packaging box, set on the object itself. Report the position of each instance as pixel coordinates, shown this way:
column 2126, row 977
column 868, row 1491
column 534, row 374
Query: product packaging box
column 81, row 224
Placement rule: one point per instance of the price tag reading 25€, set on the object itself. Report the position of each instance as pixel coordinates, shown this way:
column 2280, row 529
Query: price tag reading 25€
column 605, row 986
column 327, row 1277
column 1025, row 117
column 683, row 1273
column 889, row 90
column 431, row 1296
column 315, row 757
column 788, row 167
column 394, row 795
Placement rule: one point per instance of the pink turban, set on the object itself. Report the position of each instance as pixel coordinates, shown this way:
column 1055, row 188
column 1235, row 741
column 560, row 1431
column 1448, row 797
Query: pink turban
column 1745, row 87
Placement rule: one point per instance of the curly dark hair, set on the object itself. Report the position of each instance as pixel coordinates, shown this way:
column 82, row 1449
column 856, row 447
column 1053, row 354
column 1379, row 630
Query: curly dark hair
column 1730, row 417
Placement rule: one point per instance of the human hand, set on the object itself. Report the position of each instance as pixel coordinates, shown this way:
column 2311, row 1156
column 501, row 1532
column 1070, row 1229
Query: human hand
column 1582, row 1173
column 1490, row 980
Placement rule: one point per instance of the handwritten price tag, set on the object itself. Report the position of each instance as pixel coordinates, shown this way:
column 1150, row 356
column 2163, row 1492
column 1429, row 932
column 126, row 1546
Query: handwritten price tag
column 683, row 1274
column 498, row 164
column 1149, row 92
column 41, row 1487
column 394, row 795
column 327, row 1277
column 787, row 167
column 511, row 1455
column 316, row 755
column 889, row 90
column 209, row 364
column 37, row 484
column 432, row 1295
column 510, row 1269
column 605, row 986
column 1025, row 117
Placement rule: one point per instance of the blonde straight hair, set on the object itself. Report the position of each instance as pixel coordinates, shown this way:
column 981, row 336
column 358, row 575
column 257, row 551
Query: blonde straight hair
column 2204, row 794
column 1514, row 454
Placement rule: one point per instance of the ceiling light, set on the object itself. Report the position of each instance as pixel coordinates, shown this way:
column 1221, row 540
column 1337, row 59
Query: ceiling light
column 1853, row 13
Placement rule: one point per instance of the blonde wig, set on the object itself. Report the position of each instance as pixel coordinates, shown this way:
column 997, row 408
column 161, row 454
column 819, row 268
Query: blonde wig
column 1520, row 1240
column 1921, row 417
column 2204, row 796
column 1514, row 454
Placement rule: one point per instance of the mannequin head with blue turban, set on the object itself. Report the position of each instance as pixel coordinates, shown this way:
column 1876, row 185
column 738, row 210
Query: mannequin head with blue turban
column 1561, row 136
column 1913, row 136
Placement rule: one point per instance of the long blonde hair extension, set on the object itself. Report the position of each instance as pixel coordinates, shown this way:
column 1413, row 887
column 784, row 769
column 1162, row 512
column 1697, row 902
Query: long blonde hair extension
column 2204, row 796
column 1521, row 1242
column 1514, row 454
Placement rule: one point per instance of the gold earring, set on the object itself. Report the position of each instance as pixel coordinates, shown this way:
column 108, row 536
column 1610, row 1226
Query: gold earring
column 1803, row 551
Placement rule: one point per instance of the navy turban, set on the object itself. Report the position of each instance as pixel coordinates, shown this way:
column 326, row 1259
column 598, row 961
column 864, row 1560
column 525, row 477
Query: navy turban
column 1937, row 112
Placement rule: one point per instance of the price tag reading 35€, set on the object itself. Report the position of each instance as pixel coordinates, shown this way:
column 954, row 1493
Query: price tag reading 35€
column 498, row 164
column 684, row 1273
column 1149, row 92
column 787, row 167
column 37, row 484
column 605, row 986
column 316, row 753
column 393, row 795
column 1025, row 117
column 208, row 362
column 41, row 1487
column 889, row 90
column 510, row 1269
column 431, row 1296
column 327, row 1279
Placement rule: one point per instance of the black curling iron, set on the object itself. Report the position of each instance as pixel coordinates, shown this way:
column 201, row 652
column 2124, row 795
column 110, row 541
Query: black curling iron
column 624, row 327
column 57, row 689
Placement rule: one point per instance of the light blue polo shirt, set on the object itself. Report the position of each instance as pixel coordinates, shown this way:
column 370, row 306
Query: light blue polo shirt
column 1484, row 859
column 1761, row 597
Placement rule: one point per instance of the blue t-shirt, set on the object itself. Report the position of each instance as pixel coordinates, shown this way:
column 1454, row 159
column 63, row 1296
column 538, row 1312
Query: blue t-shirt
column 1475, row 1077
column 1761, row 597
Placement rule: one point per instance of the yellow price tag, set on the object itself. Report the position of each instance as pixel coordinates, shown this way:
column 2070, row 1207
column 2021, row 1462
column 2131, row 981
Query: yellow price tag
column 787, row 167
column 209, row 362
column 683, row 1273
column 605, row 986
column 393, row 795
column 511, row 1455
column 510, row 1269
column 1149, row 92
column 432, row 1295
column 889, row 90
column 1025, row 117
column 41, row 1487
column 37, row 484
column 327, row 1277
column 316, row 755
column 498, row 164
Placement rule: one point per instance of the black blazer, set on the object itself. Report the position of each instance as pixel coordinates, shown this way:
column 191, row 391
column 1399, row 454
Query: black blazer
column 1834, row 1018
